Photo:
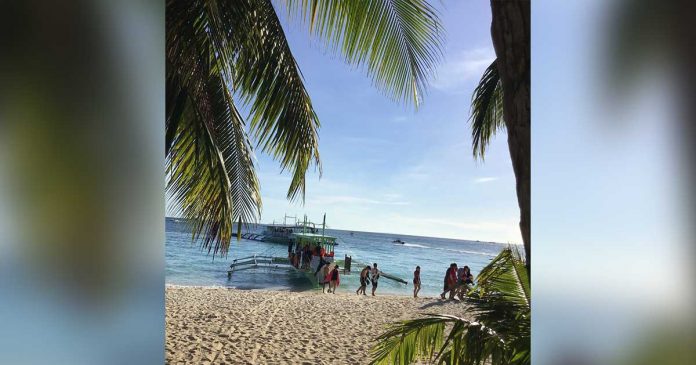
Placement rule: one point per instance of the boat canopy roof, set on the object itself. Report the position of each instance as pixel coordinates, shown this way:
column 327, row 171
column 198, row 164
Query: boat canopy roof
column 300, row 224
column 315, row 239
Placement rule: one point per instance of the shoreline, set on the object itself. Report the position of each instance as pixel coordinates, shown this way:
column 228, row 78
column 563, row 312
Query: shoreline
column 342, row 290
column 220, row 325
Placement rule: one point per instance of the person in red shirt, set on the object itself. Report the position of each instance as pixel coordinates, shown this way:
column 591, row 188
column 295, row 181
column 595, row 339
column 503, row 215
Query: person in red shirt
column 450, row 281
column 334, row 280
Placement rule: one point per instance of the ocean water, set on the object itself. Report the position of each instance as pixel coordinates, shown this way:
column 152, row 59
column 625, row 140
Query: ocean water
column 187, row 264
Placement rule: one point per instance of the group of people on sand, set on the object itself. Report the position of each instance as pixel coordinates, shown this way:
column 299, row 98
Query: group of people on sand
column 368, row 275
column 457, row 281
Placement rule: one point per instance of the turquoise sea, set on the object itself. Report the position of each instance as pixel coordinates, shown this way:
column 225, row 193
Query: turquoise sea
column 187, row 264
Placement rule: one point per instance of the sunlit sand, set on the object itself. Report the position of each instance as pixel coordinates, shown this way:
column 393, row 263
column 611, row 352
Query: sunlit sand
column 229, row 326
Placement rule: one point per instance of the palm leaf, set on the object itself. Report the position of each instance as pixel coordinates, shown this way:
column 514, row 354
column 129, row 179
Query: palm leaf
column 398, row 42
column 268, row 78
column 506, row 274
column 486, row 110
column 211, row 171
column 410, row 340
column 467, row 342
column 209, row 159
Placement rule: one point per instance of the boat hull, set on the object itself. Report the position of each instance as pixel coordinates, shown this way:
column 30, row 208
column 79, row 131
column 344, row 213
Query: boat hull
column 309, row 273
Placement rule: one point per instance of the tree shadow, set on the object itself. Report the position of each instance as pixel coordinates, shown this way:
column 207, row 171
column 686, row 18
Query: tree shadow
column 440, row 303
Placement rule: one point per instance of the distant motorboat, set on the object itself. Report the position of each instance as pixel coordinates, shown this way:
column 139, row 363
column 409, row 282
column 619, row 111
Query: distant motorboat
column 398, row 242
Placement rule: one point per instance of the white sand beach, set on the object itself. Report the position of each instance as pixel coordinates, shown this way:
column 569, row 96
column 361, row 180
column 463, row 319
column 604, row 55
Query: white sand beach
column 229, row 326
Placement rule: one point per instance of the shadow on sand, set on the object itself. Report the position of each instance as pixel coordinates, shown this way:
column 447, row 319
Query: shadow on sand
column 440, row 303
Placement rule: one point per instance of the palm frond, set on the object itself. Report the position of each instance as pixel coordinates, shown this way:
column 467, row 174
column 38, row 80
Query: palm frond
column 506, row 274
column 268, row 78
column 467, row 342
column 407, row 341
column 399, row 42
column 486, row 110
column 211, row 174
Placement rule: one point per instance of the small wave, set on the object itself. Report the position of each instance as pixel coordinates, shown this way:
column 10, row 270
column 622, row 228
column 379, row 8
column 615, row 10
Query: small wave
column 183, row 286
column 415, row 245
column 466, row 252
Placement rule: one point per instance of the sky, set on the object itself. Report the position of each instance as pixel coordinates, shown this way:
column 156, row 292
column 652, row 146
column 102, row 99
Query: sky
column 388, row 168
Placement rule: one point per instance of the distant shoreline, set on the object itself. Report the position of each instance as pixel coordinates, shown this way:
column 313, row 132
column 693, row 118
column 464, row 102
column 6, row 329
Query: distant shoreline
column 401, row 235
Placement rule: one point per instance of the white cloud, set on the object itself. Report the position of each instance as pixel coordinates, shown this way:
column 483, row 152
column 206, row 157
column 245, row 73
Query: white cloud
column 498, row 230
column 474, row 226
column 463, row 67
column 392, row 196
column 348, row 199
column 482, row 180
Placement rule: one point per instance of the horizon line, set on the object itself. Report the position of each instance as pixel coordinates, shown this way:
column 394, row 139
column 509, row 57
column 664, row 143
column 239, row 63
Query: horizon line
column 395, row 234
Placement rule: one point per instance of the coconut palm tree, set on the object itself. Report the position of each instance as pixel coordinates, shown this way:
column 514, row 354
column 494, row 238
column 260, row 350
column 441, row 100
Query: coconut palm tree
column 499, row 332
column 226, row 56
column 502, row 99
column 510, row 32
column 487, row 118
column 501, row 302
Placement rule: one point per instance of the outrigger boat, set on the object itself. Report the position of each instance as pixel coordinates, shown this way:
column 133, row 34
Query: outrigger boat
column 310, row 252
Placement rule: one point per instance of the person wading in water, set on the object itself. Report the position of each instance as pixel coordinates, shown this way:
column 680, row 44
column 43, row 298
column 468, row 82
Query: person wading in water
column 375, row 277
column 416, row 282
column 334, row 280
column 364, row 280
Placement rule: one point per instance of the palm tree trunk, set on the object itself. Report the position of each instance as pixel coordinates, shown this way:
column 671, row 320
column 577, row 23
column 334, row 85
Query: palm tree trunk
column 510, row 33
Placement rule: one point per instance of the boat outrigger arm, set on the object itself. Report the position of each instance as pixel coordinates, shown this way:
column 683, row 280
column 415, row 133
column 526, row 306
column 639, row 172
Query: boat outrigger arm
column 385, row 275
column 392, row 277
column 257, row 261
